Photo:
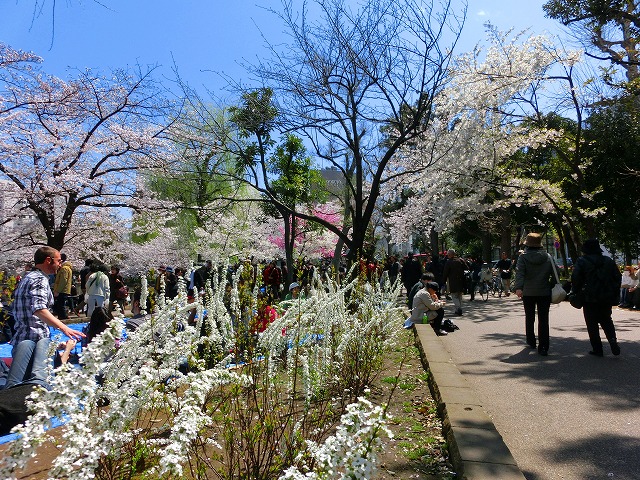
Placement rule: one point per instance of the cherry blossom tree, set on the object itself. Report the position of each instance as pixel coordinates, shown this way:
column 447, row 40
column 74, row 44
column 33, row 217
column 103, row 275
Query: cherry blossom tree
column 492, row 110
column 69, row 145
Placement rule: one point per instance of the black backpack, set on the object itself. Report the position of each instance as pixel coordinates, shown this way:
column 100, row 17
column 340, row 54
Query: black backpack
column 13, row 407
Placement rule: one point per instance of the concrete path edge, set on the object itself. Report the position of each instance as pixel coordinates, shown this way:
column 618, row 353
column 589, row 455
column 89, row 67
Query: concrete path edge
column 476, row 448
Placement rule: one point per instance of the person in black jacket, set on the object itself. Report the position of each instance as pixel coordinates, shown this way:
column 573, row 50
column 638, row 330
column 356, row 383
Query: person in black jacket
column 202, row 276
column 597, row 278
column 504, row 265
column 410, row 273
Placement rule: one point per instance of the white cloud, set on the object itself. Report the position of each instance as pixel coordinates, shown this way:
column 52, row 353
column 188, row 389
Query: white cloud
column 481, row 13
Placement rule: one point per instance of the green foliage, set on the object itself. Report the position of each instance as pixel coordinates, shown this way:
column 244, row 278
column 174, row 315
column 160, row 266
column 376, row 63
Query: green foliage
column 611, row 27
column 294, row 181
column 200, row 179
column 614, row 139
column 255, row 117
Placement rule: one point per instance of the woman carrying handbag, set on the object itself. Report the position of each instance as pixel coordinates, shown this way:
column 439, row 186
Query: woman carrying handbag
column 533, row 286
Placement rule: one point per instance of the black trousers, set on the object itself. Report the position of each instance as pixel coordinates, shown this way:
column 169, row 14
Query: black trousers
column 542, row 304
column 436, row 323
column 595, row 315
column 60, row 306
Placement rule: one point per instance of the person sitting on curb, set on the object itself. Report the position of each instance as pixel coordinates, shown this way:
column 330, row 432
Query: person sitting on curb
column 427, row 306
column 424, row 279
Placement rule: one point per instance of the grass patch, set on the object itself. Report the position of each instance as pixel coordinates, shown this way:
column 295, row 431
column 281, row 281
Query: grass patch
column 390, row 380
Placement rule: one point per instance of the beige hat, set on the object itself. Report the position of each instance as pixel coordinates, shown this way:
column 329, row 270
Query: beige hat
column 533, row 240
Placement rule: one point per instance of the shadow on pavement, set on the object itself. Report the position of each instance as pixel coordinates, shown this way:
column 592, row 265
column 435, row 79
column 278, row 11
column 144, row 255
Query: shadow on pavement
column 602, row 458
column 611, row 383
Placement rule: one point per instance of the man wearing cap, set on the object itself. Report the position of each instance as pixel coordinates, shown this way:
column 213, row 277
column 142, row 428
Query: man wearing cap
column 426, row 304
column 294, row 291
column 453, row 273
column 533, row 285
column 598, row 279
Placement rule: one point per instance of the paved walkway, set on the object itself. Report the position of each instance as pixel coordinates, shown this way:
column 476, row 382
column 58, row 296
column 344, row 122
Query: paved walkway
column 567, row 416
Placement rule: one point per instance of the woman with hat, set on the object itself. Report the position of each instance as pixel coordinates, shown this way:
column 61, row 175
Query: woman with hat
column 597, row 278
column 533, row 285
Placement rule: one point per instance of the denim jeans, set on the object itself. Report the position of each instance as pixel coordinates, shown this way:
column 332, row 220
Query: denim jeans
column 29, row 362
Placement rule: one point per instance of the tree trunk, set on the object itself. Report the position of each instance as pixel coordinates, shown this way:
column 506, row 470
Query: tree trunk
column 289, row 239
column 486, row 246
column 572, row 246
column 434, row 240
column 505, row 233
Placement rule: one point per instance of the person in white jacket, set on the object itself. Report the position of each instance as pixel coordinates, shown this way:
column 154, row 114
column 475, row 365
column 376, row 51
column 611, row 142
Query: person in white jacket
column 629, row 281
column 97, row 287
column 427, row 305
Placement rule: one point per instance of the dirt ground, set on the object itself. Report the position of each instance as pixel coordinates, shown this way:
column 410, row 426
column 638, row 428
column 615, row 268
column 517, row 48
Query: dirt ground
column 418, row 449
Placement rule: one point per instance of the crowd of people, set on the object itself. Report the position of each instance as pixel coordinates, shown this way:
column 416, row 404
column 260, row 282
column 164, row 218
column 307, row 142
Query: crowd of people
column 596, row 280
column 49, row 289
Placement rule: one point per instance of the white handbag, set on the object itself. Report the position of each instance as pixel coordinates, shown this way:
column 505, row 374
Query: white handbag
column 558, row 293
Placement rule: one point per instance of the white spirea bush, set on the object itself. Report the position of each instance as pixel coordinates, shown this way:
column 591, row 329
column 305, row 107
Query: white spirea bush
column 159, row 372
column 350, row 454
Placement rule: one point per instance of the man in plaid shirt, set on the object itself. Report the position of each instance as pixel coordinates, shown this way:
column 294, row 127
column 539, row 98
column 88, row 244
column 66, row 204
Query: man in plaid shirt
column 32, row 319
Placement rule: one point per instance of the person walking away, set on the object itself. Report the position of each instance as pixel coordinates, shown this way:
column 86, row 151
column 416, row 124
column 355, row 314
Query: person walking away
column 410, row 273
column 453, row 273
column 394, row 269
column 533, row 285
column 427, row 305
column 32, row 299
column 116, row 282
column 504, row 267
column 476, row 269
column 62, row 288
column 598, row 279
column 98, row 287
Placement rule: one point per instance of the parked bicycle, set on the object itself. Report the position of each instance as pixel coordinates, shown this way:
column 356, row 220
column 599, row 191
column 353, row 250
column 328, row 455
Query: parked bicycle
column 496, row 288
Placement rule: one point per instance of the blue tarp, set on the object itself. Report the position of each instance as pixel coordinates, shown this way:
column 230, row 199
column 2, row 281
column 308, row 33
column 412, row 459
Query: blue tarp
column 5, row 348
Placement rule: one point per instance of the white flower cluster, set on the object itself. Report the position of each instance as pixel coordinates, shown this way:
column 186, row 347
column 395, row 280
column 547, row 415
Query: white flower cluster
column 460, row 167
column 351, row 452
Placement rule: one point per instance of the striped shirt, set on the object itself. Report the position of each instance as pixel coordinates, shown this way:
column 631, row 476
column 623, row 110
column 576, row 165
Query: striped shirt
column 32, row 294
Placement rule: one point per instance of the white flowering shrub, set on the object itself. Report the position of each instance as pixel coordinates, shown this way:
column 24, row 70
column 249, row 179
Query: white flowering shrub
column 351, row 452
column 201, row 395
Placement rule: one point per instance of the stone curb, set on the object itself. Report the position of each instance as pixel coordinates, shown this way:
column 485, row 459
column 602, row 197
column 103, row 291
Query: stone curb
column 476, row 448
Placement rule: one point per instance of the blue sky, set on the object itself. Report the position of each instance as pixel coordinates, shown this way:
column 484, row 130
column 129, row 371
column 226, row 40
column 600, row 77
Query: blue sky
column 201, row 36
